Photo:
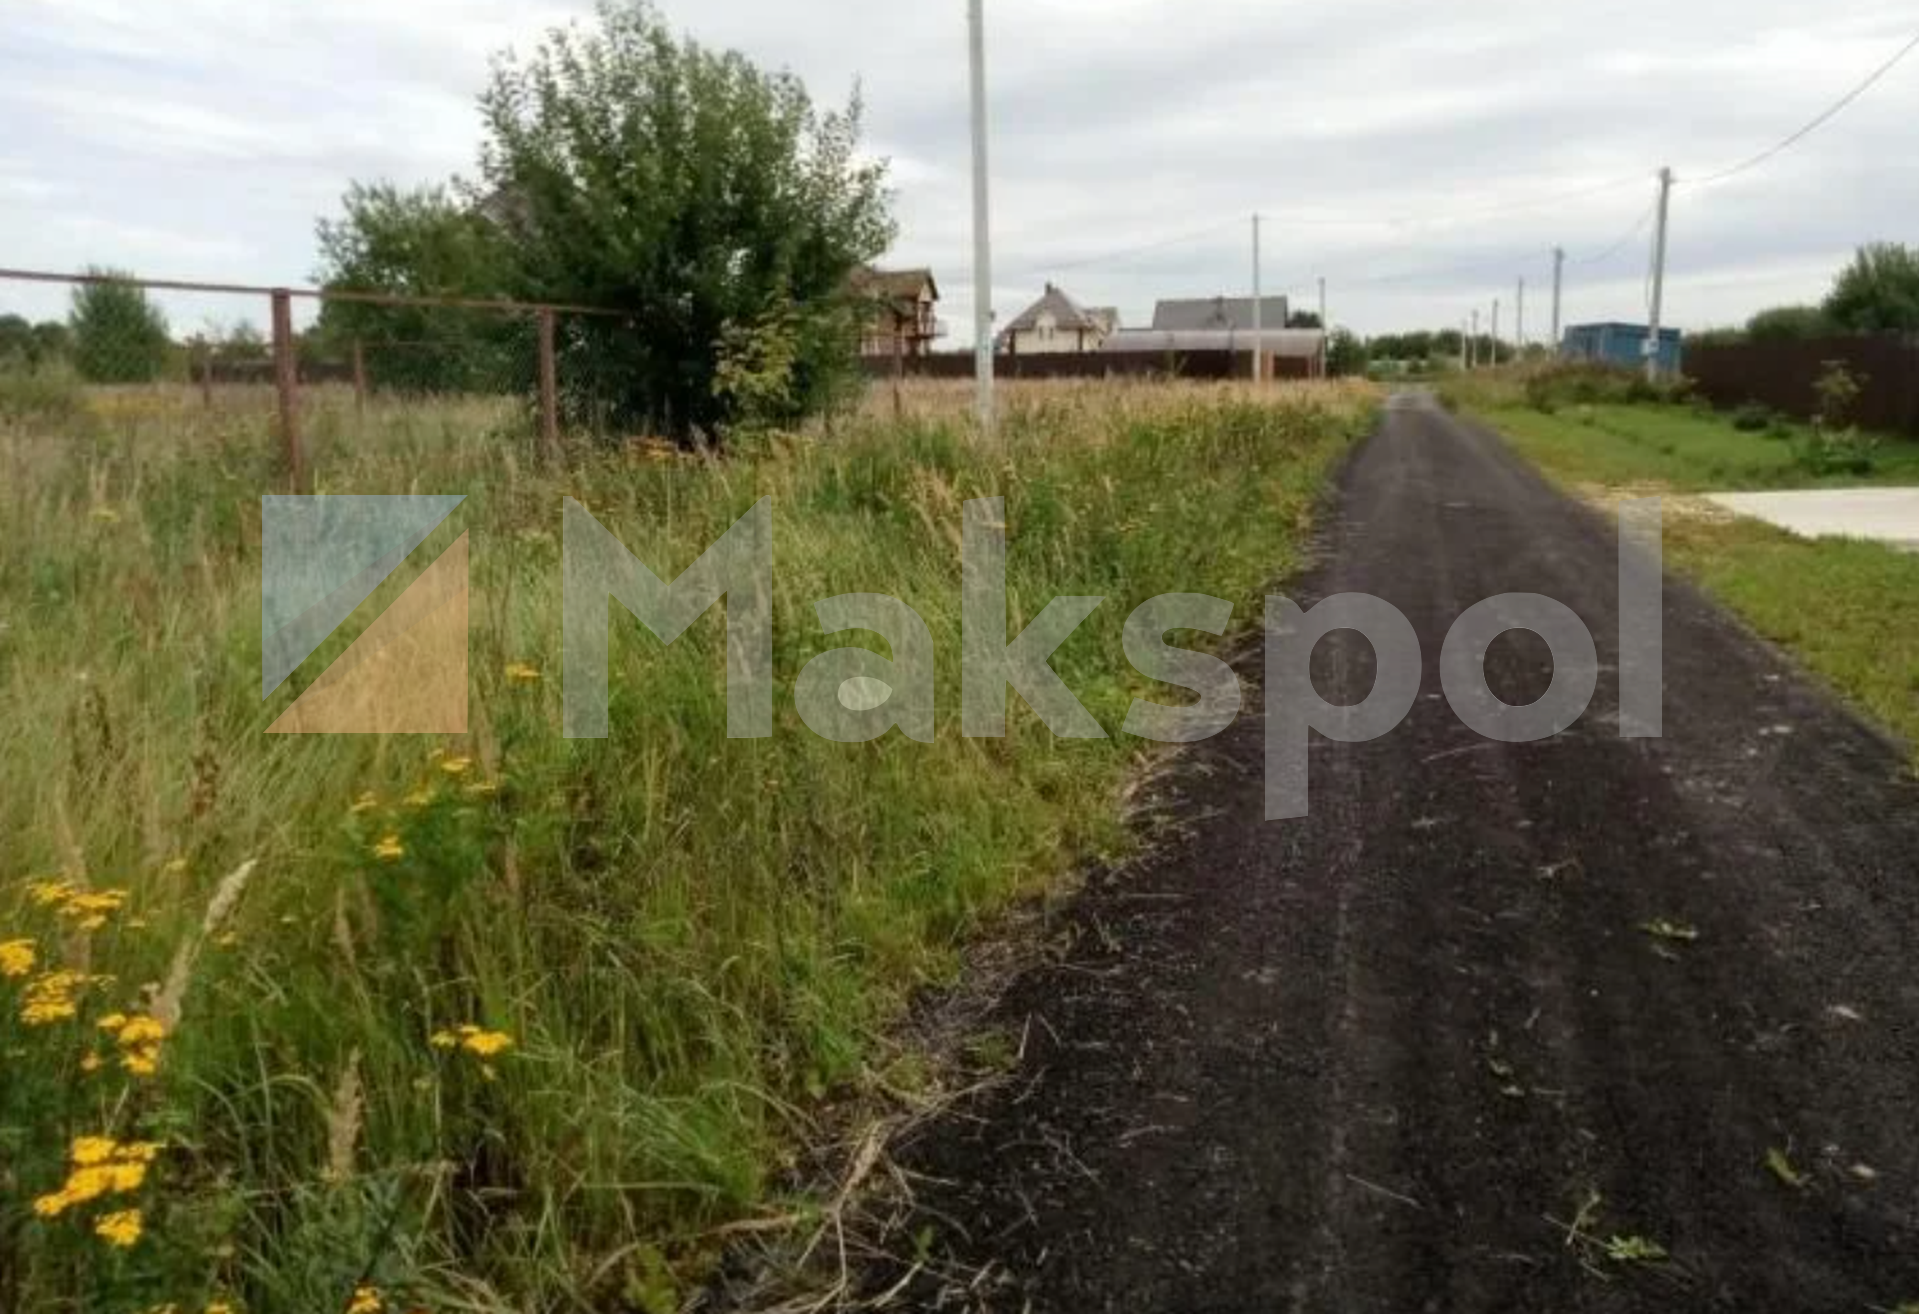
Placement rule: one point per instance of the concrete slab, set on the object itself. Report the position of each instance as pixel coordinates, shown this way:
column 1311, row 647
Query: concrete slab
column 1890, row 515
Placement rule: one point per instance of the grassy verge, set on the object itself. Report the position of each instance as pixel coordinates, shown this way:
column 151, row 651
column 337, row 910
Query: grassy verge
column 235, row 970
column 1685, row 449
column 1848, row 609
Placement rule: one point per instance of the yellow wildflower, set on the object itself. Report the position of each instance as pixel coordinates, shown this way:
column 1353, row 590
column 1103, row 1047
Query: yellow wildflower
column 487, row 1043
column 218, row 1307
column 140, row 1062
column 477, row 1041
column 112, row 1022
column 455, row 766
column 101, row 1166
column 49, row 997
column 483, row 789
column 420, row 797
column 16, row 957
column 120, row 1228
column 366, row 1300
column 104, row 515
column 367, row 802
column 90, row 909
column 50, row 893
column 174, row 867
column 89, row 1062
column 142, row 1030
column 522, row 673
column 389, row 849
column 88, row 1150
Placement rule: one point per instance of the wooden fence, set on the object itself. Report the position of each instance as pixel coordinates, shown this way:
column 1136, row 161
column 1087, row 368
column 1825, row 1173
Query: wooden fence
column 1782, row 375
column 1207, row 364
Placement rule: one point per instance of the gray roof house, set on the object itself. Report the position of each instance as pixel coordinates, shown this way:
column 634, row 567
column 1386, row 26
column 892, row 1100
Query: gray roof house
column 1218, row 313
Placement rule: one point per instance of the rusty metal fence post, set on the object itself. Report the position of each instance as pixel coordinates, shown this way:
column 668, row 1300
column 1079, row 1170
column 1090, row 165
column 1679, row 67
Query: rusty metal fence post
column 549, row 389
column 286, row 383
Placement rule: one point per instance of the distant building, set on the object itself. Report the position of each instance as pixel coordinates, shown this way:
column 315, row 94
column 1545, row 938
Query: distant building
column 1619, row 344
column 1289, row 353
column 1218, row 313
column 899, row 318
column 1056, row 322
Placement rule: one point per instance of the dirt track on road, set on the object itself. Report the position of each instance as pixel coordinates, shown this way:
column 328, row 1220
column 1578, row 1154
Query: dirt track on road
column 1379, row 1058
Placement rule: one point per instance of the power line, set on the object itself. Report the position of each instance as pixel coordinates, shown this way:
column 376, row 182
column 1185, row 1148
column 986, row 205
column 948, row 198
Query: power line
column 1127, row 252
column 1811, row 124
column 1623, row 239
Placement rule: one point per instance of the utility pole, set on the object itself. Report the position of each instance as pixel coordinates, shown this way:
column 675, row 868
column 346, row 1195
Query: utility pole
column 1553, row 345
column 1256, row 296
column 1493, row 335
column 1473, row 342
column 1326, row 329
column 1652, row 347
column 1520, row 315
column 982, row 248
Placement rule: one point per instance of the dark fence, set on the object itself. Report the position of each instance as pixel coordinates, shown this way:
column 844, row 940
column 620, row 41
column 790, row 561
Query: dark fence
column 1207, row 364
column 1782, row 375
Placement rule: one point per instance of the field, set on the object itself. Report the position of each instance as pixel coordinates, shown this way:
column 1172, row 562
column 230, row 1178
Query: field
column 1849, row 610
column 511, row 1021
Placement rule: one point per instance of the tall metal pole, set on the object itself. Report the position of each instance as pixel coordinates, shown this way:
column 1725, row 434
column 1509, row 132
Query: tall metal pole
column 982, row 252
column 1652, row 347
column 1256, row 297
column 1520, row 315
column 1326, row 329
column 1553, row 329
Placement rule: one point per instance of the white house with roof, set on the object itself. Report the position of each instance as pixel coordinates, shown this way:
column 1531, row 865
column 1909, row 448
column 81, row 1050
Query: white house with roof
column 1056, row 322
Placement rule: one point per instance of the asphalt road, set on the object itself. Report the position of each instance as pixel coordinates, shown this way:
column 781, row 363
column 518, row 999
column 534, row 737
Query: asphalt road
column 1415, row 1051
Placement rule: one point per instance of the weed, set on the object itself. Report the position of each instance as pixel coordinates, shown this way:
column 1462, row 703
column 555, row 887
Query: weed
column 519, row 1035
column 1662, row 928
column 1782, row 1168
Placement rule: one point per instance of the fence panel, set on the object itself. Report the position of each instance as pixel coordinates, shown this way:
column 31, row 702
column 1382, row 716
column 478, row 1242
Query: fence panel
column 1216, row 363
column 1782, row 375
column 295, row 361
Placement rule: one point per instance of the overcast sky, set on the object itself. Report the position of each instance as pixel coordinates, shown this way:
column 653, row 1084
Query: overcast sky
column 1416, row 155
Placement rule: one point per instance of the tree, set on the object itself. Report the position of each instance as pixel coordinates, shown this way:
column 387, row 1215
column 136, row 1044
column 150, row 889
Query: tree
column 1878, row 291
column 1303, row 319
column 1346, row 354
column 1788, row 324
column 695, row 193
column 420, row 242
column 16, row 341
column 119, row 336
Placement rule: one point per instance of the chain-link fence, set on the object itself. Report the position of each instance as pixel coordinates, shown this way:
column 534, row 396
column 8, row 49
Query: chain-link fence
column 300, row 360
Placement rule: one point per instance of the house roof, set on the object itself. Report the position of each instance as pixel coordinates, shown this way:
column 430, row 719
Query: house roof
column 1278, row 341
column 1107, row 317
column 1067, row 313
column 894, row 284
column 1218, row 313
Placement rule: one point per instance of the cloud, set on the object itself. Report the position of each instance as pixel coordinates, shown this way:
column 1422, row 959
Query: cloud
column 1420, row 158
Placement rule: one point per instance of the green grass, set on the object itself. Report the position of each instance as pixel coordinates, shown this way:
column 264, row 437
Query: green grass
column 1847, row 609
column 1615, row 444
column 689, row 938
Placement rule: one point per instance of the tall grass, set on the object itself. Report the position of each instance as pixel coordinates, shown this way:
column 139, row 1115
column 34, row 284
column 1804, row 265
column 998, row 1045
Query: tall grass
column 663, row 944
